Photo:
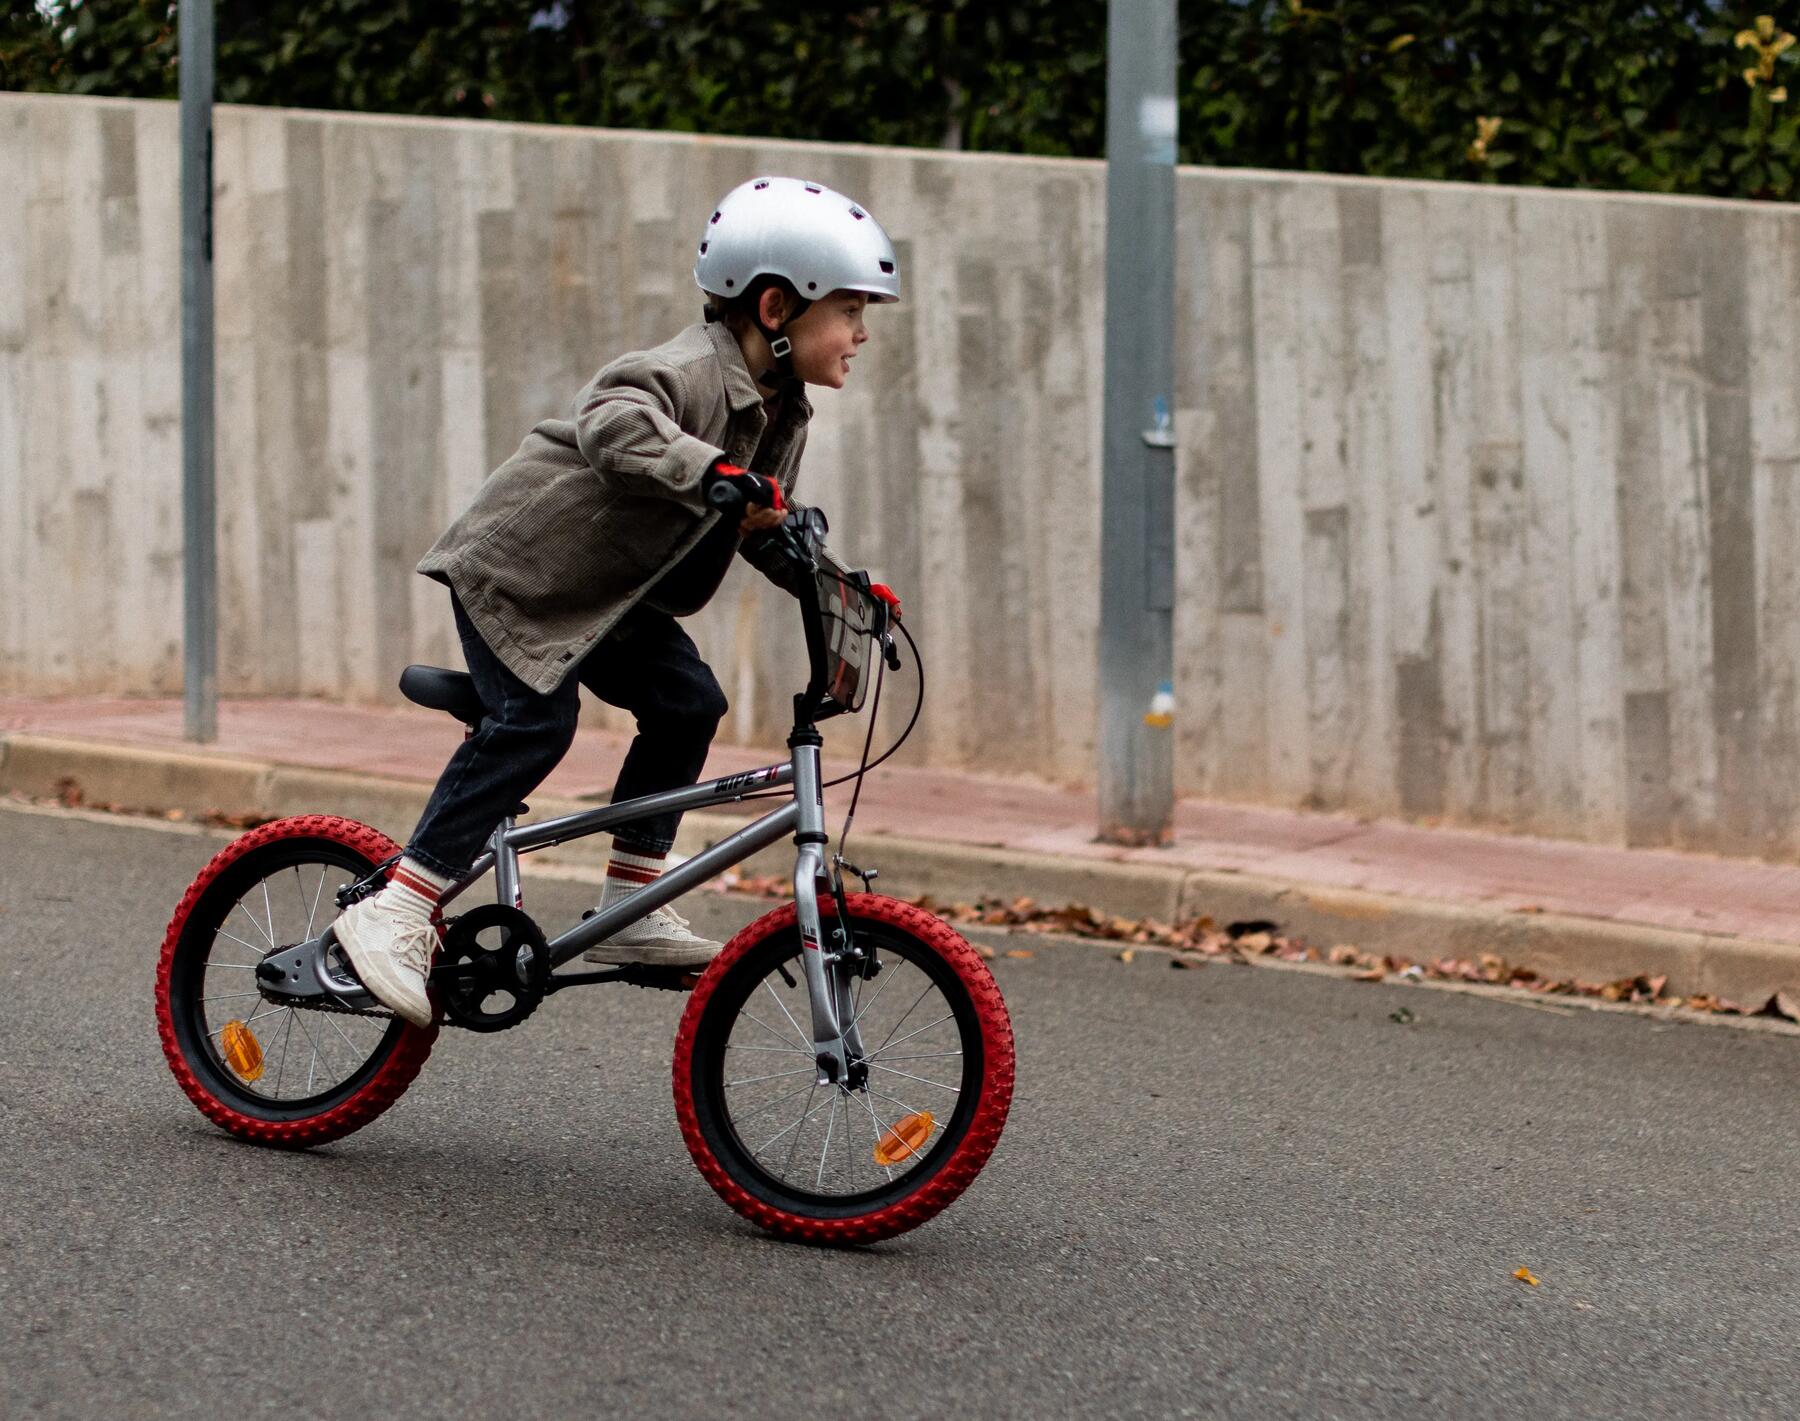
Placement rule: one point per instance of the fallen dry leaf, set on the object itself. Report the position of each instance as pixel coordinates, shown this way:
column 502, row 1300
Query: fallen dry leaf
column 1782, row 1005
column 1126, row 956
column 1018, row 952
column 1524, row 1275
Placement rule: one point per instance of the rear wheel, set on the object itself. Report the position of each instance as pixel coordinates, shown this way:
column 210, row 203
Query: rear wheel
column 256, row 1066
column 877, row 1154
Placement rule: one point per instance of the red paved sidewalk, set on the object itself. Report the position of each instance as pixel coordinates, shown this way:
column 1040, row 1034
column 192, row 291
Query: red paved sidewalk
column 1655, row 888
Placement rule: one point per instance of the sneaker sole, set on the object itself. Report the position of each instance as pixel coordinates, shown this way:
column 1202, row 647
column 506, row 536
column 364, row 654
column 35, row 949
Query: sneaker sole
column 650, row 955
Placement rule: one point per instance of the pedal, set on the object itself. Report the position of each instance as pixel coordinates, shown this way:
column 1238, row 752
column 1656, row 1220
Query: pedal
column 660, row 979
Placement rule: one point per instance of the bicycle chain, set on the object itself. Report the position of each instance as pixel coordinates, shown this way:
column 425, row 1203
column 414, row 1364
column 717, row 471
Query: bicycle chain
column 337, row 1008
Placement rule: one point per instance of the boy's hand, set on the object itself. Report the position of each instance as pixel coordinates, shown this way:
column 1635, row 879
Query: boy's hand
column 757, row 519
column 761, row 498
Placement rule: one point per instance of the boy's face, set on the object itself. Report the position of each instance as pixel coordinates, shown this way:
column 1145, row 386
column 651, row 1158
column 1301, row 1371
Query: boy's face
column 827, row 336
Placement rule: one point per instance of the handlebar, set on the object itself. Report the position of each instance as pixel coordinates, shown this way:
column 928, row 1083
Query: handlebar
column 799, row 541
column 727, row 499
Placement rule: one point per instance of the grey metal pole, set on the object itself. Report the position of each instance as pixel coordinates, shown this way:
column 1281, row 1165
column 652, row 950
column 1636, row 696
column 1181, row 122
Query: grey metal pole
column 200, row 594
column 1137, row 497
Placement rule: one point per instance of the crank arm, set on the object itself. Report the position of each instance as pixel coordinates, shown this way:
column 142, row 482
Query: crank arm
column 314, row 968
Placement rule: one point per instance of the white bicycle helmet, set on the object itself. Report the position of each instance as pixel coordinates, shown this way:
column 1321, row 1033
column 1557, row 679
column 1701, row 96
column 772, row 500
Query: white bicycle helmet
column 814, row 239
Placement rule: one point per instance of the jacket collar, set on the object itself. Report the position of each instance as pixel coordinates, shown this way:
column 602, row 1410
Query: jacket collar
column 740, row 387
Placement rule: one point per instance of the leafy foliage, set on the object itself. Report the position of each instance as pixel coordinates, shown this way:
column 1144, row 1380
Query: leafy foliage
column 1662, row 95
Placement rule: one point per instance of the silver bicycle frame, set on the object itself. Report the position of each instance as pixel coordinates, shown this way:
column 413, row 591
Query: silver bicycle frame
column 803, row 816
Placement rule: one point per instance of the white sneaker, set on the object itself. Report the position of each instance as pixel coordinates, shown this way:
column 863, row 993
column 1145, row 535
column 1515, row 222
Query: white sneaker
column 659, row 939
column 391, row 954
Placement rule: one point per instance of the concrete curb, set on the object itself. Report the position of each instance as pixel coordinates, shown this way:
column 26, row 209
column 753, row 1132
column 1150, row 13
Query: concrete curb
column 1744, row 970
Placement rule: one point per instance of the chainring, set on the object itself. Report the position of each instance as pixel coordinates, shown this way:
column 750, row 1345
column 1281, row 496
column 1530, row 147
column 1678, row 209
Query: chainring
column 493, row 969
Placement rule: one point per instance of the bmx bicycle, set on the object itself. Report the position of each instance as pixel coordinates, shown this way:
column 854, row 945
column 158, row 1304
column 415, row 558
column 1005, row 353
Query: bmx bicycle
column 842, row 1070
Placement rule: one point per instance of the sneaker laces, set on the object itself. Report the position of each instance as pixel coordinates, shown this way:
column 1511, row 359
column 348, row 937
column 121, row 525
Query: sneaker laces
column 413, row 947
column 668, row 911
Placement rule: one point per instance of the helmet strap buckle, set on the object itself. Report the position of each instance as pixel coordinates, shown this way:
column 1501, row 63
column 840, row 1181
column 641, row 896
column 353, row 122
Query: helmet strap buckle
column 781, row 347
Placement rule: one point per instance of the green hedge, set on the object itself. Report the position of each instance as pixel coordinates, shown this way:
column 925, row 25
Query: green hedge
column 1650, row 95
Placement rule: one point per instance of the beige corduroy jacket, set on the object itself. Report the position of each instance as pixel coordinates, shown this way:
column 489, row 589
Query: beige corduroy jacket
column 576, row 527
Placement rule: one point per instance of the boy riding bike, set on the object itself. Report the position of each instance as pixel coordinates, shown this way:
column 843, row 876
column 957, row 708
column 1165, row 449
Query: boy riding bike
column 581, row 550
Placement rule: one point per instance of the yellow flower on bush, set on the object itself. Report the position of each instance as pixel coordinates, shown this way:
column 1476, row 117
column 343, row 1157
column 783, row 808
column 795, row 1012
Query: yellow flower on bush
column 1769, row 44
column 1485, row 131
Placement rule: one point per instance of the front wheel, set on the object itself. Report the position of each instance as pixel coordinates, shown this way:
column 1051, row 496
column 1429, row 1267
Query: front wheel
column 877, row 1154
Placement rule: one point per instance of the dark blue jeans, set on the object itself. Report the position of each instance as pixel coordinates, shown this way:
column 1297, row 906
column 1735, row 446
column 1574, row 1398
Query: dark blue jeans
column 646, row 665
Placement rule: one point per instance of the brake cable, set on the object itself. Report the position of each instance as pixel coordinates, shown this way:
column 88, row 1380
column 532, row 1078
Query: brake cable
column 887, row 754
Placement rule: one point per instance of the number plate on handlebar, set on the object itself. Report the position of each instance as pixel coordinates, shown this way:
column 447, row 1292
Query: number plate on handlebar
column 851, row 617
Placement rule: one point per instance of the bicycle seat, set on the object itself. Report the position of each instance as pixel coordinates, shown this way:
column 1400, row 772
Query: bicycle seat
column 452, row 691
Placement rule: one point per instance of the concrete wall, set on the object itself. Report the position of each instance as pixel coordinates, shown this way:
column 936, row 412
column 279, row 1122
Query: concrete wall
column 1487, row 512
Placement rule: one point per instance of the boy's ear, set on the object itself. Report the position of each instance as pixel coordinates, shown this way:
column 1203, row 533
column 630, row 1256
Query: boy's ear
column 772, row 306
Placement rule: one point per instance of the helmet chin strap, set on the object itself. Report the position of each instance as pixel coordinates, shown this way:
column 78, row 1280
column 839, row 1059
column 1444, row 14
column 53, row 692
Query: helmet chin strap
column 780, row 376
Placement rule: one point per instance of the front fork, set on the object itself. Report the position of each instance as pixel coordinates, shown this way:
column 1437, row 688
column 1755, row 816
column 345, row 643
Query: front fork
column 837, row 1040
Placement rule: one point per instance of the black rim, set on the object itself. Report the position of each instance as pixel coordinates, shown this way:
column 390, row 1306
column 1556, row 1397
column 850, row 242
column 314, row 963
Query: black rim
column 738, row 1138
column 209, row 949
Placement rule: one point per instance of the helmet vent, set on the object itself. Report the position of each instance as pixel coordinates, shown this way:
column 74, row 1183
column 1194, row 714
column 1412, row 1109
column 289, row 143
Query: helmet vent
column 812, row 286
column 811, row 188
column 761, row 184
column 858, row 213
column 730, row 282
column 703, row 249
column 717, row 215
column 888, row 267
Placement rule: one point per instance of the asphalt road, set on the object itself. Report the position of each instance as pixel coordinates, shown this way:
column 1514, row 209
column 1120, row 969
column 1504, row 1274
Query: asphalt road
column 1225, row 1192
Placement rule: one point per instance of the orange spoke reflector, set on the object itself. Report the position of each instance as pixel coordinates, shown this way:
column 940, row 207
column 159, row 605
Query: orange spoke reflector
column 906, row 1137
column 242, row 1053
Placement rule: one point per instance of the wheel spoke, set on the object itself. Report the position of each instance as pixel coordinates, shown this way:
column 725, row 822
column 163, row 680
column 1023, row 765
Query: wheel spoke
column 804, row 1039
column 807, row 1112
column 312, row 1041
column 768, row 1105
column 830, row 1123
column 929, row 984
column 771, row 1030
column 254, row 1018
column 927, row 1056
column 240, row 942
column 875, row 1129
column 752, row 1080
column 936, row 1124
column 286, row 1036
column 863, row 1011
column 318, row 893
column 909, row 1035
column 779, row 1050
column 332, row 1022
column 953, row 1089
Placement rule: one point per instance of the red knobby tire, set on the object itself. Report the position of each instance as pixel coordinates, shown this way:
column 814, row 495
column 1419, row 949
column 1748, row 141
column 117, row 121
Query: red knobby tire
column 725, row 1160
column 247, row 862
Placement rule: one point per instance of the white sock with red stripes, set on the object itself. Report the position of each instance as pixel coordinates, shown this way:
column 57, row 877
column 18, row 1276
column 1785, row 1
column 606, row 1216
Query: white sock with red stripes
column 628, row 871
column 413, row 891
